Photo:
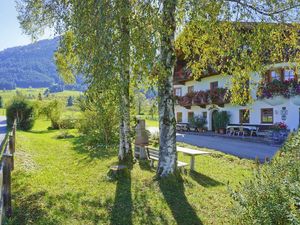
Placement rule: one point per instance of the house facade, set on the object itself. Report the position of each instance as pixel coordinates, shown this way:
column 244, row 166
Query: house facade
column 278, row 99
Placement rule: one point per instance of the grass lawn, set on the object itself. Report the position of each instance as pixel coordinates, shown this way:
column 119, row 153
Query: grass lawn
column 152, row 123
column 58, row 181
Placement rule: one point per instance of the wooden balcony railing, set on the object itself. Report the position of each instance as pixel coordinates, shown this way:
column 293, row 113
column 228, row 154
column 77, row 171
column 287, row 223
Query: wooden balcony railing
column 218, row 96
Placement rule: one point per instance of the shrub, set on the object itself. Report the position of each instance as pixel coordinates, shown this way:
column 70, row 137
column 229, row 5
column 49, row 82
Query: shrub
column 221, row 119
column 68, row 122
column 99, row 127
column 23, row 111
column 64, row 134
column 273, row 196
column 154, row 139
column 53, row 111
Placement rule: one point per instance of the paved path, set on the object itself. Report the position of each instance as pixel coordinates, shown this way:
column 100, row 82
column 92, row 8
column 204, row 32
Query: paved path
column 2, row 128
column 238, row 148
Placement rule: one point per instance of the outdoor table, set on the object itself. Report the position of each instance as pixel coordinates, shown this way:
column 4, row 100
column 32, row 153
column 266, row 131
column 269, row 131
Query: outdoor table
column 192, row 153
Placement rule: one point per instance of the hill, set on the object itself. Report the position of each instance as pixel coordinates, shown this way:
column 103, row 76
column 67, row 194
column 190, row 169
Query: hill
column 29, row 66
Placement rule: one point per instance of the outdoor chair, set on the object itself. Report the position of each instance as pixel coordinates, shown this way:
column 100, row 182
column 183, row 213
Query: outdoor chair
column 241, row 131
column 230, row 131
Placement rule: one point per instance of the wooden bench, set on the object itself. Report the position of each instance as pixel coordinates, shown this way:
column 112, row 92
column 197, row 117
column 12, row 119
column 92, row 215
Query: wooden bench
column 153, row 155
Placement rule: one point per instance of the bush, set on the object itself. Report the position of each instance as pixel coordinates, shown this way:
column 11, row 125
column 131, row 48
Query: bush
column 53, row 111
column 154, row 139
column 273, row 196
column 67, row 123
column 99, row 127
column 23, row 111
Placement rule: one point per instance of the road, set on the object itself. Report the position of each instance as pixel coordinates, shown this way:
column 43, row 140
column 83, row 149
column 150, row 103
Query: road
column 2, row 128
column 234, row 147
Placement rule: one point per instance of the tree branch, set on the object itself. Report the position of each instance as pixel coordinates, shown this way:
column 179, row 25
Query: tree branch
column 262, row 12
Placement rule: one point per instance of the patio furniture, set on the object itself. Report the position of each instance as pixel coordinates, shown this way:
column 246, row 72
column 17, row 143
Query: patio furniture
column 192, row 153
column 153, row 155
column 182, row 127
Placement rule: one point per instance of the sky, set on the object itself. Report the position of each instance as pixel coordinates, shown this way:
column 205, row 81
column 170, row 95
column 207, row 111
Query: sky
column 11, row 34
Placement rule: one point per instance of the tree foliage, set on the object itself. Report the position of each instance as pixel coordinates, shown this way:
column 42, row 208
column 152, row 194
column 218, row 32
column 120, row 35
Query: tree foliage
column 21, row 110
column 273, row 196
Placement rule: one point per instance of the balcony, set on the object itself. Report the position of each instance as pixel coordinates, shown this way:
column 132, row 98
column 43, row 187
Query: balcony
column 275, row 92
column 218, row 96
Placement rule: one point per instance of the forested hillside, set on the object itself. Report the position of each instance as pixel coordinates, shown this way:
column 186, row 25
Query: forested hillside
column 29, row 66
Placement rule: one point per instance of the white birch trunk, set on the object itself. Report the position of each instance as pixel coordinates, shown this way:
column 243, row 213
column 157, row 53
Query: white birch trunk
column 167, row 122
column 125, row 151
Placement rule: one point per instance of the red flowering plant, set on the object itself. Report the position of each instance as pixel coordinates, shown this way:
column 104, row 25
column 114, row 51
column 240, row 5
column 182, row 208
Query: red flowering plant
column 218, row 96
column 201, row 98
column 280, row 126
column 187, row 100
column 285, row 88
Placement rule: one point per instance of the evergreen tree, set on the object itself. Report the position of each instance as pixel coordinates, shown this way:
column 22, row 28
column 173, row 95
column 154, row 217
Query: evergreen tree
column 40, row 97
column 70, row 101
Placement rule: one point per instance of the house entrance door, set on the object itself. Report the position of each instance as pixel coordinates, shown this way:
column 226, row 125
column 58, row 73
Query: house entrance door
column 212, row 119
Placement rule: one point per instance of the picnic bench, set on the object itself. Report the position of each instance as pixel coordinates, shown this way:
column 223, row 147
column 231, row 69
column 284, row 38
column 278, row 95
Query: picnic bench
column 153, row 155
column 192, row 153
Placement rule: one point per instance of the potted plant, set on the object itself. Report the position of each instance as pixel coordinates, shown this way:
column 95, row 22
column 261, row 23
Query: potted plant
column 221, row 120
column 199, row 123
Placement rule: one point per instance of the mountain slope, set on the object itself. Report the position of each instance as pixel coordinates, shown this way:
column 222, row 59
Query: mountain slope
column 29, row 66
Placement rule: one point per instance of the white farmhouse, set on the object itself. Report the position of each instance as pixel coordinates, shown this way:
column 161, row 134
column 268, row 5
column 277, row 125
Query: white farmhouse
column 279, row 100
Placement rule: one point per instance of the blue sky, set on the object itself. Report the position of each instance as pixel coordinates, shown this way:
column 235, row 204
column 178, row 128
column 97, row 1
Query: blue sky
column 10, row 32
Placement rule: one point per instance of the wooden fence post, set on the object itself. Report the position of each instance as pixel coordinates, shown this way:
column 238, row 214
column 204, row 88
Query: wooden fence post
column 7, row 161
column 12, row 149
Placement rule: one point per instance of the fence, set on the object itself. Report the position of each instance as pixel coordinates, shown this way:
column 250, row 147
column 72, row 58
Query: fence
column 8, row 147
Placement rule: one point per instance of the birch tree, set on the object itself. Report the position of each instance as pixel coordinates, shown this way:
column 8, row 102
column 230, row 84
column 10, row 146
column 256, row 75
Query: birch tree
column 100, row 39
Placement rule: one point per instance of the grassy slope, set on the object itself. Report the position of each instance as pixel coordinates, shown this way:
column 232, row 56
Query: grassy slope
column 59, row 182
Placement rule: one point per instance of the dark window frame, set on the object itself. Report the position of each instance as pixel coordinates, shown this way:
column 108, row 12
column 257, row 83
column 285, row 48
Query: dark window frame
column 242, row 118
column 190, row 113
column 262, row 116
column 178, row 113
column 214, row 85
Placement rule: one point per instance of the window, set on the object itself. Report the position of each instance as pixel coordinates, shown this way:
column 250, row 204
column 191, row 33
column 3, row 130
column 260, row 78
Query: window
column 266, row 115
column 213, row 85
column 289, row 74
column 179, row 117
column 190, row 89
column 275, row 75
column 244, row 116
column 177, row 92
column 190, row 116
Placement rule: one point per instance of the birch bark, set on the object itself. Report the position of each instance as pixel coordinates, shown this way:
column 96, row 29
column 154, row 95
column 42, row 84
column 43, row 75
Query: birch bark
column 125, row 150
column 167, row 122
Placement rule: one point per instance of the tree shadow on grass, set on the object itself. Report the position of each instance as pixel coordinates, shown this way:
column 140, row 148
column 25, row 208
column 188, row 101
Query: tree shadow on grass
column 92, row 152
column 41, row 131
column 172, row 189
column 145, row 165
column 204, row 180
column 121, row 213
